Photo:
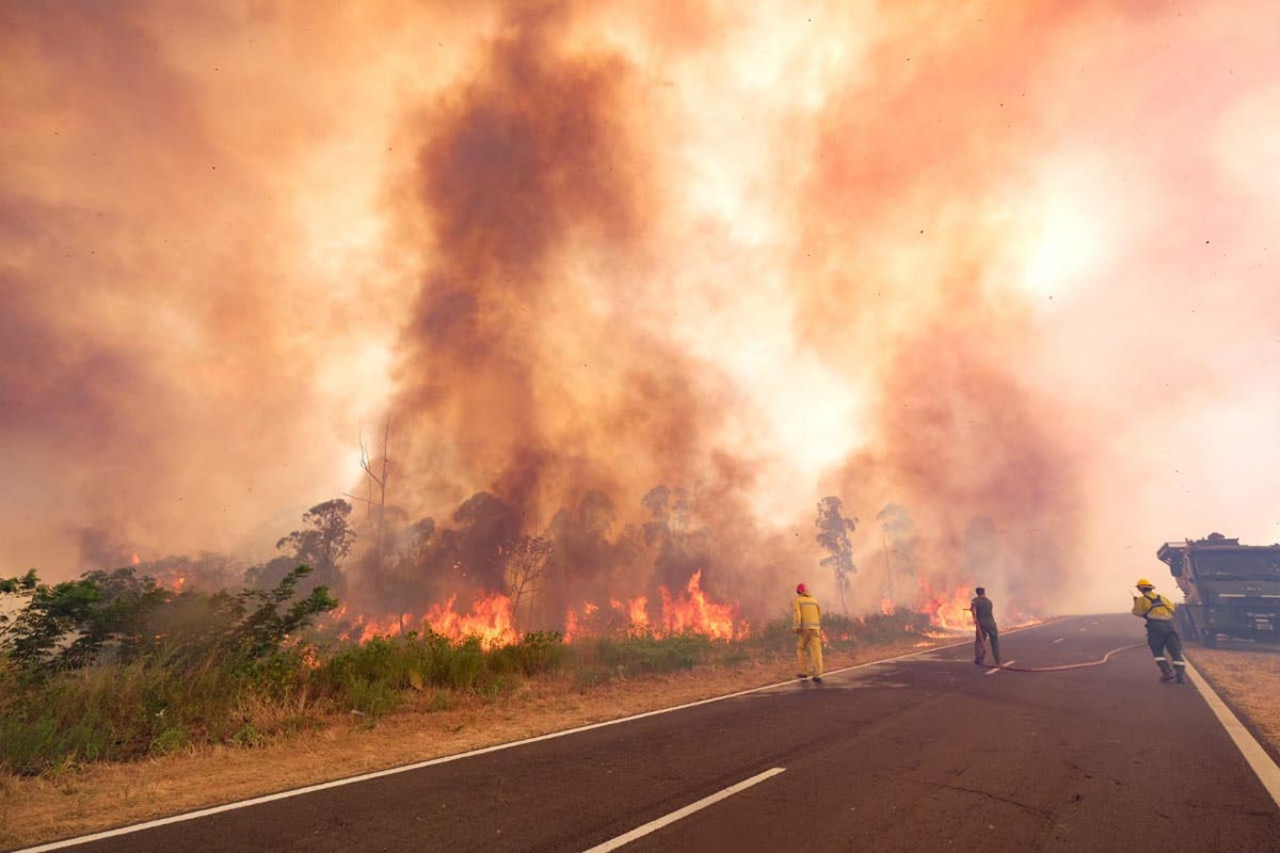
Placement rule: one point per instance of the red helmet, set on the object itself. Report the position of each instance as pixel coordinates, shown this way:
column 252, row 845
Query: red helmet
column 801, row 589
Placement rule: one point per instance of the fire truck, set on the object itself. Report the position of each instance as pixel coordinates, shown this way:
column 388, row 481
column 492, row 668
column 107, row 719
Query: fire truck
column 1230, row 590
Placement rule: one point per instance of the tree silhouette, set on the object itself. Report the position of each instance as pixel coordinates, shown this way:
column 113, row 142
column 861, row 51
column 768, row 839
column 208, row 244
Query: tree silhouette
column 486, row 529
column 833, row 536
column 526, row 565
column 324, row 543
column 899, row 536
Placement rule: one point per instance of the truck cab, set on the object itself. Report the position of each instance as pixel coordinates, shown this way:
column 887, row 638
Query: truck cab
column 1230, row 589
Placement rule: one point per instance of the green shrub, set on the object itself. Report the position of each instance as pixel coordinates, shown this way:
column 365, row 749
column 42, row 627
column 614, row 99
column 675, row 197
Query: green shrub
column 541, row 651
column 466, row 665
column 373, row 698
column 186, row 689
column 623, row 657
column 169, row 740
column 248, row 735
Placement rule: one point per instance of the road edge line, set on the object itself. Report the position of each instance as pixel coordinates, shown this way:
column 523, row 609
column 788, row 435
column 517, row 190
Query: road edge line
column 1259, row 761
column 444, row 759
column 681, row 813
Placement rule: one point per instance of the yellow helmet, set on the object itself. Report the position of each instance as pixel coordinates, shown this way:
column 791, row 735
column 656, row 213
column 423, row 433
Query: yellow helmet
column 1143, row 583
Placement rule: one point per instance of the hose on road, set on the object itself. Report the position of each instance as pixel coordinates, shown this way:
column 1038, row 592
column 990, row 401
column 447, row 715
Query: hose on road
column 1099, row 662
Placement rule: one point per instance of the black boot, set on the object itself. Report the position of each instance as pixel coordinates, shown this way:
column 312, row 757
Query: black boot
column 1166, row 671
column 1181, row 672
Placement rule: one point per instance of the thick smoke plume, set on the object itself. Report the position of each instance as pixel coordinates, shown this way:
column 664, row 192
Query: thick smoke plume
column 639, row 285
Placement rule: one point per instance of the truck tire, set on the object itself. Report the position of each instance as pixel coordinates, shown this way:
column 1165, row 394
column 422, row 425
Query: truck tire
column 1186, row 625
column 1209, row 639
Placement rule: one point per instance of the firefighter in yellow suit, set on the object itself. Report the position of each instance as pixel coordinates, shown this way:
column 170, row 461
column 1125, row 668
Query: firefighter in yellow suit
column 806, row 621
column 1157, row 612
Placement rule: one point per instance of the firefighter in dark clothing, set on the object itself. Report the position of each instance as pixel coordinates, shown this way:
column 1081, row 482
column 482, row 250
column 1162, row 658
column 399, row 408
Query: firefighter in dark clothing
column 984, row 620
column 1157, row 612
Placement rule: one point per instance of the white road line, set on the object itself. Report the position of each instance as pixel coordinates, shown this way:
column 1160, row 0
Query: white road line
column 1265, row 769
column 678, row 814
column 444, row 759
column 994, row 671
column 1059, row 640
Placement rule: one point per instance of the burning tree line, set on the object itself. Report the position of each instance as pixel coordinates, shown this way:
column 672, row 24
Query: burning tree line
column 484, row 576
column 140, row 660
column 114, row 667
column 155, row 659
column 481, row 576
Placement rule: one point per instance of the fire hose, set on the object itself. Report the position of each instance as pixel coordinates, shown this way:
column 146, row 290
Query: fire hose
column 980, row 639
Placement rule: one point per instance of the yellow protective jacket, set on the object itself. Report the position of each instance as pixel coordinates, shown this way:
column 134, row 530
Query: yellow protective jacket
column 1154, row 606
column 805, row 612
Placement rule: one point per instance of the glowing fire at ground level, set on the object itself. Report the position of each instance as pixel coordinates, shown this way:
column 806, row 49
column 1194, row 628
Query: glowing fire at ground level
column 490, row 619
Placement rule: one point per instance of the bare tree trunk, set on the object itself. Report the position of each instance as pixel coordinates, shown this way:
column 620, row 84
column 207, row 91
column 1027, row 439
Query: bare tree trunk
column 380, row 481
column 888, row 566
column 525, row 567
column 382, row 489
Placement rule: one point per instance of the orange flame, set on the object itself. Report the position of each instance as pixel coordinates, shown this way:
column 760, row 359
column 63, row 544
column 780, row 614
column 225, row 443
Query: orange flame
column 946, row 610
column 171, row 581
column 576, row 621
column 693, row 613
column 489, row 619
column 387, row 626
column 638, row 613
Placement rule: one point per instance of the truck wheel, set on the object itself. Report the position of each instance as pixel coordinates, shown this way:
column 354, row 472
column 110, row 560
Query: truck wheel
column 1209, row 639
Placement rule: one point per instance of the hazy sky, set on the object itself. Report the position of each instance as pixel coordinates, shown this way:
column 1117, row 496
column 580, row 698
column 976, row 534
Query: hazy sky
column 1007, row 261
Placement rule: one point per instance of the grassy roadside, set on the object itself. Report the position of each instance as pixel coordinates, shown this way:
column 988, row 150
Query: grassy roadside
column 54, row 718
column 96, row 796
column 607, row 682
column 1247, row 677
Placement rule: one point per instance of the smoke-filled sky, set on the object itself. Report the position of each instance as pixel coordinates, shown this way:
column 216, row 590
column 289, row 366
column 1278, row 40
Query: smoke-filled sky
column 1002, row 264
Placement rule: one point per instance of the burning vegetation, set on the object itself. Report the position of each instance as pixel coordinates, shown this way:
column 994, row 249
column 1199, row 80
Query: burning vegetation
column 114, row 666
column 610, row 344
column 337, row 621
column 484, row 577
column 627, row 288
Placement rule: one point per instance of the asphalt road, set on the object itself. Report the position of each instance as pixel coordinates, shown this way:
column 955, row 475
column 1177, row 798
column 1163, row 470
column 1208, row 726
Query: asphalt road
column 924, row 753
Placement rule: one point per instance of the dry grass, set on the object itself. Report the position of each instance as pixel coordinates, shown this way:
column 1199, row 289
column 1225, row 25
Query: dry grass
column 97, row 797
column 440, row 723
column 1247, row 676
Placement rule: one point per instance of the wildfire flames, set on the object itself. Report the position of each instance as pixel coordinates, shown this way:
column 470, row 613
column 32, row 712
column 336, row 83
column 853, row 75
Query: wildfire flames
column 948, row 611
column 167, row 579
column 693, row 613
column 490, row 619
column 579, row 255
column 690, row 612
